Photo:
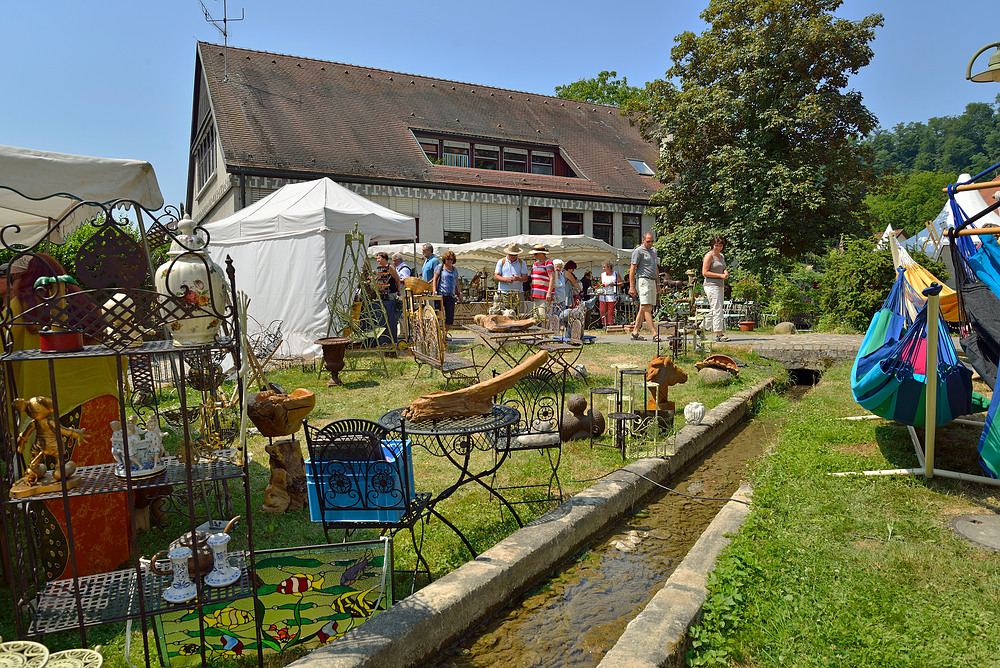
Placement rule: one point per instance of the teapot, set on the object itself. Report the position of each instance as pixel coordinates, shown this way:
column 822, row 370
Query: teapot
column 201, row 561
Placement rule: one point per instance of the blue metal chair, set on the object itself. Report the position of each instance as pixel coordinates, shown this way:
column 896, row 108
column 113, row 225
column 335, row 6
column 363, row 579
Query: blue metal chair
column 358, row 479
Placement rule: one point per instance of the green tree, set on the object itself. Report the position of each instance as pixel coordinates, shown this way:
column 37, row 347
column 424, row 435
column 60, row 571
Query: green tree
column 759, row 139
column 908, row 202
column 605, row 88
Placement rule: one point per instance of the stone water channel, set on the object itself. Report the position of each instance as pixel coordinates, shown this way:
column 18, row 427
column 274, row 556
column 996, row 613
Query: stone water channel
column 576, row 616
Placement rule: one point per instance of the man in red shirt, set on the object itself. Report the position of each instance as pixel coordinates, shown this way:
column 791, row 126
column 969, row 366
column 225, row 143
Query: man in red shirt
column 543, row 280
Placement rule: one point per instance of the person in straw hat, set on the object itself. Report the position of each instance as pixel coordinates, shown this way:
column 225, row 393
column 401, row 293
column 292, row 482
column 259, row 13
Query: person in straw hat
column 510, row 273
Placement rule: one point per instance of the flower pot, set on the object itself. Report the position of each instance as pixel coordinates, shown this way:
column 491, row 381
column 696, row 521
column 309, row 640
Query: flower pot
column 746, row 325
column 333, row 357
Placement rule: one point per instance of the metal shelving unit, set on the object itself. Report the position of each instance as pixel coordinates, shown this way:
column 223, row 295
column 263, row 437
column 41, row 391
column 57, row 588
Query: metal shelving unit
column 109, row 260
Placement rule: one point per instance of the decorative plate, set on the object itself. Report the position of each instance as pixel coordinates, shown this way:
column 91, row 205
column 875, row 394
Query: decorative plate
column 88, row 657
column 35, row 654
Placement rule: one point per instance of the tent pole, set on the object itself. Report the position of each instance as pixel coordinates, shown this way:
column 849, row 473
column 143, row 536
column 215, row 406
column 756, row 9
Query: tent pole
column 933, row 294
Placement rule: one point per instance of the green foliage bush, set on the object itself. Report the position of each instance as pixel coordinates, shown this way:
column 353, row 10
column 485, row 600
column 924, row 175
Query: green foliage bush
column 856, row 280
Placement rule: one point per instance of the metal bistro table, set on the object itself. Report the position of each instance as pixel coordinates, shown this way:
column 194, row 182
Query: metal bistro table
column 532, row 339
column 457, row 439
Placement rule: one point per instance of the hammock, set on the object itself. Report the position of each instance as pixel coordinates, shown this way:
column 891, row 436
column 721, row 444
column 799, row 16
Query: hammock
column 977, row 270
column 889, row 374
column 920, row 279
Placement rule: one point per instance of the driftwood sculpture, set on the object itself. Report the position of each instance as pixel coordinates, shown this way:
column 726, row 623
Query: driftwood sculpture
column 280, row 414
column 473, row 400
column 663, row 371
column 503, row 323
column 286, row 489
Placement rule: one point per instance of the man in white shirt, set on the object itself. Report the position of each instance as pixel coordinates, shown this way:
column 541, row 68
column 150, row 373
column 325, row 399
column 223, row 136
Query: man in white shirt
column 401, row 267
column 510, row 275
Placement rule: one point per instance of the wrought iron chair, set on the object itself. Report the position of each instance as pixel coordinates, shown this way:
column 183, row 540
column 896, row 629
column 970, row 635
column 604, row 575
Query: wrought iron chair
column 357, row 479
column 540, row 398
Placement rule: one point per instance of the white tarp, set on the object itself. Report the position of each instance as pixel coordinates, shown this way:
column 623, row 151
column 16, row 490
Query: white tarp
column 287, row 249
column 971, row 202
column 585, row 251
column 38, row 187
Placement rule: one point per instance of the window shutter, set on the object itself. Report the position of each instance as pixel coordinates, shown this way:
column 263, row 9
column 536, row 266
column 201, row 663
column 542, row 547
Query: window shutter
column 458, row 217
column 494, row 221
column 408, row 206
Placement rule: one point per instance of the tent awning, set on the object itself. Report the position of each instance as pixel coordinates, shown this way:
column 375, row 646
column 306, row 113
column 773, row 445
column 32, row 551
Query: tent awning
column 310, row 207
column 585, row 251
column 38, row 188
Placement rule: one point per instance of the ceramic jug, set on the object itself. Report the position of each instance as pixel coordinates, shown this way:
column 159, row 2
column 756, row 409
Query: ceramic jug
column 191, row 276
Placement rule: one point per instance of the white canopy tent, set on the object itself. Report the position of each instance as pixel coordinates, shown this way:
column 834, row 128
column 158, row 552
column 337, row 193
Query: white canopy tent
column 288, row 248
column 585, row 251
column 38, row 187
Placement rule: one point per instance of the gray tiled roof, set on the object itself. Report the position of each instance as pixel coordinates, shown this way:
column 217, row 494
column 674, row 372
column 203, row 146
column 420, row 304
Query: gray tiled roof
column 290, row 113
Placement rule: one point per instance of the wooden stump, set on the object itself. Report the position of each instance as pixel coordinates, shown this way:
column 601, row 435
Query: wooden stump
column 286, row 489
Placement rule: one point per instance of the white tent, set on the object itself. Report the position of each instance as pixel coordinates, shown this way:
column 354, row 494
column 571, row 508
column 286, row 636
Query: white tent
column 971, row 202
column 288, row 247
column 585, row 251
column 38, row 187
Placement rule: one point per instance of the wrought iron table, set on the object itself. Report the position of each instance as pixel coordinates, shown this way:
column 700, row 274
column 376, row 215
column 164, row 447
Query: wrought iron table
column 533, row 339
column 457, row 439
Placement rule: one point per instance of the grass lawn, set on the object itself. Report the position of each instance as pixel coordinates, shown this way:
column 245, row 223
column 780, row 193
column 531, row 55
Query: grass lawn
column 854, row 571
column 369, row 396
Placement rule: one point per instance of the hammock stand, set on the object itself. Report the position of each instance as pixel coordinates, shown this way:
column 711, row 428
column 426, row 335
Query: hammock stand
column 925, row 454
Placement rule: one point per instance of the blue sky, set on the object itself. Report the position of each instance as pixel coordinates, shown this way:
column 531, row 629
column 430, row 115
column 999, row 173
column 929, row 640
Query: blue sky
column 113, row 78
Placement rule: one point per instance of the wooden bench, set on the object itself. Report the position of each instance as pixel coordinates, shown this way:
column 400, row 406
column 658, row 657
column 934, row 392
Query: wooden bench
column 428, row 347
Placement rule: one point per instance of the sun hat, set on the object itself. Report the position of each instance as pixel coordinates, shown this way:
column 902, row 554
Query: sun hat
column 539, row 248
column 512, row 249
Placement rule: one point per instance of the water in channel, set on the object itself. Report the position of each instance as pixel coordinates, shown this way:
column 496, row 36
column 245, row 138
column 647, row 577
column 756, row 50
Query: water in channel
column 574, row 618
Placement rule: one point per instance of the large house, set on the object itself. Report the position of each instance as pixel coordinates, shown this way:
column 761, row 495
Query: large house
column 468, row 162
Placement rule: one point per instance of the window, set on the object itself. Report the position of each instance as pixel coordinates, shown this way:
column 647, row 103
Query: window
column 631, row 229
column 492, row 154
column 457, row 222
column 572, row 222
column 204, row 157
column 541, row 162
column 539, row 220
column 451, row 237
column 455, row 154
column 431, row 148
column 641, row 167
column 515, row 160
column 487, row 157
column 493, row 219
column 603, row 228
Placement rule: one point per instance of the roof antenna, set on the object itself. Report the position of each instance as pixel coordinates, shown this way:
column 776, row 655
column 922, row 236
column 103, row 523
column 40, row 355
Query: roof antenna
column 225, row 34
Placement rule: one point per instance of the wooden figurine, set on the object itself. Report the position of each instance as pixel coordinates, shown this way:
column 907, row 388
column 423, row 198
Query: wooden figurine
column 38, row 479
column 663, row 371
column 286, row 489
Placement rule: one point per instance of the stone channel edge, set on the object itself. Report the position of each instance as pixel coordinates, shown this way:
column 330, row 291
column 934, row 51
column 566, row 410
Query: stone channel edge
column 428, row 621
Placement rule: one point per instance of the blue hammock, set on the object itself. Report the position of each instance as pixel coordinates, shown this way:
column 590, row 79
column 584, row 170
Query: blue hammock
column 979, row 265
column 889, row 376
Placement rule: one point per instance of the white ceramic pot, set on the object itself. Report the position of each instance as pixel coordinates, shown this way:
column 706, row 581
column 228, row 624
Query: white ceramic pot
column 694, row 412
column 192, row 277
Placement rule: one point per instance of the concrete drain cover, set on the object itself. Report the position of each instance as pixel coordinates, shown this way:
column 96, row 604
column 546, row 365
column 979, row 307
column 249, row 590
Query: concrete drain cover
column 983, row 530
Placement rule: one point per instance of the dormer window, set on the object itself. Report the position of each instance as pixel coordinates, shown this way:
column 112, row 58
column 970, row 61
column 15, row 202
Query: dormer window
column 461, row 151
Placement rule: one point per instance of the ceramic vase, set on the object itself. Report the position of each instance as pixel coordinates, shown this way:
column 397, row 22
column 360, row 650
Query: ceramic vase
column 694, row 412
column 333, row 357
column 182, row 589
column 190, row 276
column 222, row 574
